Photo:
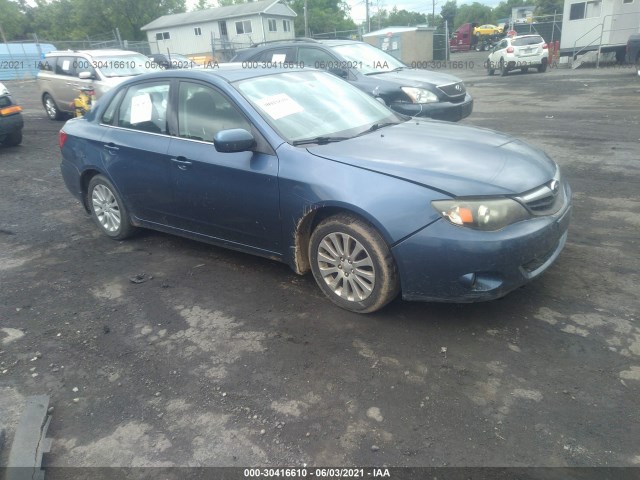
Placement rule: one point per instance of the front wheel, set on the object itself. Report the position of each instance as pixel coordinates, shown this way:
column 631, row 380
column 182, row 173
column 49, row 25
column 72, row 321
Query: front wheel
column 352, row 264
column 13, row 139
column 107, row 209
column 53, row 112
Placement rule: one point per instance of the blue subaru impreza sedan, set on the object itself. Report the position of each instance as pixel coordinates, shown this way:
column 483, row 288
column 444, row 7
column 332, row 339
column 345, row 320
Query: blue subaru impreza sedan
column 301, row 167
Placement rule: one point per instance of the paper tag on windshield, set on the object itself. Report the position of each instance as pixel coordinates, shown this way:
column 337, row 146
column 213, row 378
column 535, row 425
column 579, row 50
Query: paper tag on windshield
column 278, row 58
column 279, row 106
column 141, row 108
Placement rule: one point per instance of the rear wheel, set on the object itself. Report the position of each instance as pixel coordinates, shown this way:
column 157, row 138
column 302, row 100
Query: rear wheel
column 352, row 264
column 503, row 67
column 543, row 67
column 107, row 209
column 53, row 112
column 489, row 65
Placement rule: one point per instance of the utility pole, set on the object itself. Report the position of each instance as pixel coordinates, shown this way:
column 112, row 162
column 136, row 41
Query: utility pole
column 366, row 2
column 306, row 20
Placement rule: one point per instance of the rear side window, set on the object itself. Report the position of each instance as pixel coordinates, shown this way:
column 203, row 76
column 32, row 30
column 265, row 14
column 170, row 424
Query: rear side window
column 521, row 42
column 144, row 107
column 110, row 113
column 48, row 64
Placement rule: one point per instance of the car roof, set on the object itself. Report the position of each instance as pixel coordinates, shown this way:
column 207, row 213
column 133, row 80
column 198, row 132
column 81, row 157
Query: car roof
column 229, row 72
column 93, row 53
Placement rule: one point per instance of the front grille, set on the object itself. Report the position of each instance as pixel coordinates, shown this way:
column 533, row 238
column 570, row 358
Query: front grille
column 546, row 199
column 453, row 89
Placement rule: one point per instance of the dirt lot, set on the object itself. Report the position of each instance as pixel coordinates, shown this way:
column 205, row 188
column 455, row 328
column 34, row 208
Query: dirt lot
column 224, row 359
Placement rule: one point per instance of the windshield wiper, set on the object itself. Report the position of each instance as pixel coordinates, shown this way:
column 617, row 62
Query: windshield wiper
column 376, row 126
column 319, row 140
column 397, row 69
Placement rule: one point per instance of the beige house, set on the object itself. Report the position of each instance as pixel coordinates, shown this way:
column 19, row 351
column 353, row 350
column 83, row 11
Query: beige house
column 407, row 44
column 219, row 31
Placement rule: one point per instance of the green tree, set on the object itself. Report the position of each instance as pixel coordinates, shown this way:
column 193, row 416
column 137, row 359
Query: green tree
column 476, row 12
column 448, row 12
column 549, row 7
column 13, row 20
column 397, row 18
column 503, row 10
column 324, row 16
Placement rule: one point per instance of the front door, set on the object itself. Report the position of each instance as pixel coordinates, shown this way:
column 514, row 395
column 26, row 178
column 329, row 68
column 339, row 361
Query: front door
column 231, row 197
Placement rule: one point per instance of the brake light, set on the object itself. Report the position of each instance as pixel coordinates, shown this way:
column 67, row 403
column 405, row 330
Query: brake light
column 545, row 46
column 10, row 110
column 510, row 50
column 62, row 137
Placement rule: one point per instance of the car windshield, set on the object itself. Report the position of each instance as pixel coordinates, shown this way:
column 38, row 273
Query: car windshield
column 123, row 65
column 523, row 41
column 314, row 105
column 368, row 59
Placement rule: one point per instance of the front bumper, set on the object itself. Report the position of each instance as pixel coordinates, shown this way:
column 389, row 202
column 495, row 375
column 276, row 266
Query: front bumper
column 11, row 123
column 446, row 263
column 448, row 111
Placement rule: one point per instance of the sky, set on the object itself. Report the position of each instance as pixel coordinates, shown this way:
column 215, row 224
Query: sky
column 358, row 6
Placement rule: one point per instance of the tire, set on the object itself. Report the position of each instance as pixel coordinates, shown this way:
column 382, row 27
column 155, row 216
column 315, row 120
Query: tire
column 364, row 288
column 524, row 69
column 13, row 139
column 543, row 67
column 53, row 112
column 503, row 68
column 638, row 65
column 107, row 209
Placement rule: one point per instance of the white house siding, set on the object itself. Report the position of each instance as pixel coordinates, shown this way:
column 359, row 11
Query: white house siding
column 183, row 39
column 615, row 23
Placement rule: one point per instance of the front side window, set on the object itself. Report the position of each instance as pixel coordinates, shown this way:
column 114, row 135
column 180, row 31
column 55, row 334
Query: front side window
column 243, row 27
column 315, row 58
column 66, row 66
column 110, row 113
column 144, row 107
column 203, row 112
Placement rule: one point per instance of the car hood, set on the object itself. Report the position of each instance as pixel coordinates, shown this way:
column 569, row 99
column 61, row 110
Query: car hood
column 454, row 159
column 412, row 77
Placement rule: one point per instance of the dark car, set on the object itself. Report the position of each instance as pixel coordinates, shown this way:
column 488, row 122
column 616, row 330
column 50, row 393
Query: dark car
column 299, row 166
column 411, row 91
column 11, row 122
column 633, row 51
column 172, row 60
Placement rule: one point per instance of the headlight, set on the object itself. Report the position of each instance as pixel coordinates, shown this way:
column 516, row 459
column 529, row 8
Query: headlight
column 420, row 95
column 490, row 214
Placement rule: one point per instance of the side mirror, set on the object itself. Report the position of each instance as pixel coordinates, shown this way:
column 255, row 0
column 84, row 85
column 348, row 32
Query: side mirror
column 339, row 72
column 85, row 75
column 233, row 140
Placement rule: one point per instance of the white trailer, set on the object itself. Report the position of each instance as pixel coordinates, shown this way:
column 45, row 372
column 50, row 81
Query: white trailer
column 598, row 25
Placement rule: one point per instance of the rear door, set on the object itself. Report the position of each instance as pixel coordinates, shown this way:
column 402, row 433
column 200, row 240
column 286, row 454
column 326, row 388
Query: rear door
column 135, row 150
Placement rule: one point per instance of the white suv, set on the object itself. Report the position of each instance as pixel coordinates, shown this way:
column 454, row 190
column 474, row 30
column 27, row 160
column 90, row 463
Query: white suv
column 63, row 73
column 518, row 53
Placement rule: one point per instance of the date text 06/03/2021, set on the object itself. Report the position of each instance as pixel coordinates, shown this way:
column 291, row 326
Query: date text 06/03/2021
column 317, row 472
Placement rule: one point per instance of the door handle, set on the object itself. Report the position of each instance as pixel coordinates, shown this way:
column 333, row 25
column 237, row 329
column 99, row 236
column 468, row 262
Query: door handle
column 111, row 148
column 182, row 162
